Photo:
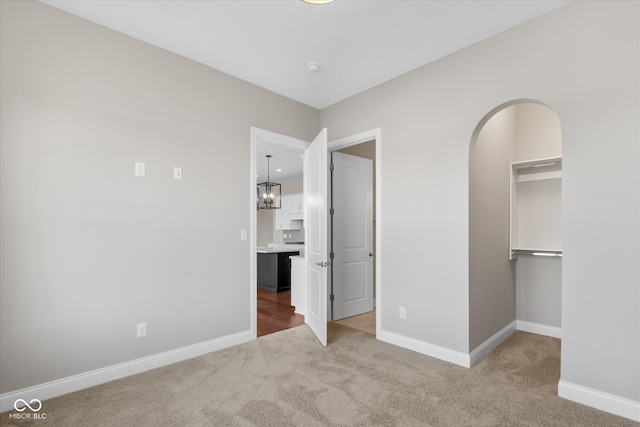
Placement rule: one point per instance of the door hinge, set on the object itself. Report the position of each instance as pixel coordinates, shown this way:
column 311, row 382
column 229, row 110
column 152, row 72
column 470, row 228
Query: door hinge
column 331, row 167
column 331, row 297
column 331, row 211
column 331, row 255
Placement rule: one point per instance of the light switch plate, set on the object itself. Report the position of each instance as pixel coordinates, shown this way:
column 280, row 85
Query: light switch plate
column 140, row 169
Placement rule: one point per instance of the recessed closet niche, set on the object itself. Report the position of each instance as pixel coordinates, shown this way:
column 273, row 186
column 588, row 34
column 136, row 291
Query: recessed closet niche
column 515, row 217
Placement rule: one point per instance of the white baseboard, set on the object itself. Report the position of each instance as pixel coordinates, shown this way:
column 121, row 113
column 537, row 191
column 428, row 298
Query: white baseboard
column 121, row 370
column 425, row 348
column 538, row 328
column 485, row 348
column 611, row 403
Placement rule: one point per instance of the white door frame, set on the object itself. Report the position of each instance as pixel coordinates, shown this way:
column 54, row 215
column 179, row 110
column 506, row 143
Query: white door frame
column 258, row 135
column 375, row 135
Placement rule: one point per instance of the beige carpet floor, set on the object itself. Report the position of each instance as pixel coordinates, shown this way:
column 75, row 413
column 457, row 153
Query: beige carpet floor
column 287, row 379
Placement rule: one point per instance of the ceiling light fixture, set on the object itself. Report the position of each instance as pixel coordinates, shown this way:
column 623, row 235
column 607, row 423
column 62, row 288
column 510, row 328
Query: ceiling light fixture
column 317, row 1
column 268, row 193
column 314, row 67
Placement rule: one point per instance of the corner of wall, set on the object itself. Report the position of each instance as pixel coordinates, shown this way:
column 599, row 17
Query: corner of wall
column 486, row 347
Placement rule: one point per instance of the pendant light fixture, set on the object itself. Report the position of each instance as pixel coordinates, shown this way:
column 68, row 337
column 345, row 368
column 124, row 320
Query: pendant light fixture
column 268, row 193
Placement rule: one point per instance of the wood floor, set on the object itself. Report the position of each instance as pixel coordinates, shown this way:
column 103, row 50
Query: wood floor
column 365, row 322
column 275, row 312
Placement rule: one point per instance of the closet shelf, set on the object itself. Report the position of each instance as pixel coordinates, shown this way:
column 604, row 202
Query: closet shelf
column 546, row 162
column 535, row 213
column 536, row 251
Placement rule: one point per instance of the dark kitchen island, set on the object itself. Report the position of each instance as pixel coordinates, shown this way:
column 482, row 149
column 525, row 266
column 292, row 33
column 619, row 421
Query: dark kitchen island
column 274, row 268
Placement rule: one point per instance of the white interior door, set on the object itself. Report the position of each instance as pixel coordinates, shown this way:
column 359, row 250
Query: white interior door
column 316, row 186
column 352, row 202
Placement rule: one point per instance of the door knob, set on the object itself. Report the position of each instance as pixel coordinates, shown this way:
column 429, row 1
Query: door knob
column 370, row 254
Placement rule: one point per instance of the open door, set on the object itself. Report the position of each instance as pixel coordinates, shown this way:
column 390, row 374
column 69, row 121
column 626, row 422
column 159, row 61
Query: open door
column 352, row 196
column 316, row 187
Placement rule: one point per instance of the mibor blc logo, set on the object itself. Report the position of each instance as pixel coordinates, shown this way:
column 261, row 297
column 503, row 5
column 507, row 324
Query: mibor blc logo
column 21, row 405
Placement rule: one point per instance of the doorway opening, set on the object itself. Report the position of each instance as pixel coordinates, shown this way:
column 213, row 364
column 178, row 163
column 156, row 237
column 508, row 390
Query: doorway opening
column 259, row 137
column 352, row 282
column 274, row 236
column 366, row 145
column 515, row 218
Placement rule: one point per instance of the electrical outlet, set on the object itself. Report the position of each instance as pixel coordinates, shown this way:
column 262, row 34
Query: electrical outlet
column 141, row 330
column 140, row 169
column 403, row 313
column 177, row 173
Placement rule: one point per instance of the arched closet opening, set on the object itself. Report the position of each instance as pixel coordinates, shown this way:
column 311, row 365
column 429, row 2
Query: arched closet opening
column 515, row 218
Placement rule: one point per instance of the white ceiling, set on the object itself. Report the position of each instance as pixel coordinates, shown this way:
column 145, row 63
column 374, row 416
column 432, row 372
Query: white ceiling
column 287, row 159
column 358, row 44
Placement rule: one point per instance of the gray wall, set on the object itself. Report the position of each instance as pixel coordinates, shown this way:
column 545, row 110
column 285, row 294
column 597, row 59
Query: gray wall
column 582, row 60
column 264, row 227
column 491, row 274
column 538, row 132
column 88, row 249
column 539, row 290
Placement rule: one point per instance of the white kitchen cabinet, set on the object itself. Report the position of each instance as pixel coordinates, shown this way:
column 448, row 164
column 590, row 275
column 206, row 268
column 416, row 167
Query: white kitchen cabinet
column 299, row 284
column 536, row 207
column 290, row 216
column 296, row 204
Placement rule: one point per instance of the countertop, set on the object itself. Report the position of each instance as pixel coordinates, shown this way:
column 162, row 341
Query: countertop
column 280, row 249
